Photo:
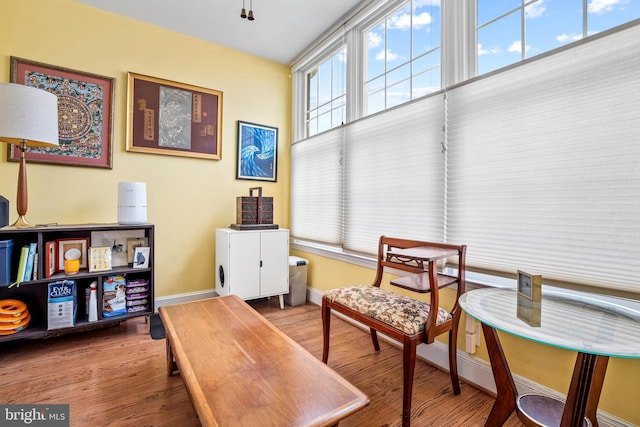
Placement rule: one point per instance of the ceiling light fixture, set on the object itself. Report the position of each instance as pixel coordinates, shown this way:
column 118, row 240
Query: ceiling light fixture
column 250, row 17
column 243, row 12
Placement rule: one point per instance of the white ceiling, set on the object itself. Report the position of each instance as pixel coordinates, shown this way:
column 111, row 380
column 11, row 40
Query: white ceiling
column 282, row 29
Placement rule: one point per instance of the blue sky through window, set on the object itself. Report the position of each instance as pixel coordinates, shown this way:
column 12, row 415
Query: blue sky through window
column 402, row 64
column 548, row 24
column 404, row 48
column 403, row 60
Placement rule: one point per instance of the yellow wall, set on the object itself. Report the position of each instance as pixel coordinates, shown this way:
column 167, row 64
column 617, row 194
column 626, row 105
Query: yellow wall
column 187, row 198
column 549, row 366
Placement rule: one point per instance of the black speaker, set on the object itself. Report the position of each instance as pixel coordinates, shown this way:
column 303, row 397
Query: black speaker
column 4, row 212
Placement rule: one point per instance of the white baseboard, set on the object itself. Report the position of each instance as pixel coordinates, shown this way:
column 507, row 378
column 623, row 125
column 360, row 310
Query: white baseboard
column 180, row 298
column 473, row 370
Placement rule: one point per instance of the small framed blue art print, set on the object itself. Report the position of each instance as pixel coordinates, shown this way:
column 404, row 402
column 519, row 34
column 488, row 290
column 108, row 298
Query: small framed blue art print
column 257, row 152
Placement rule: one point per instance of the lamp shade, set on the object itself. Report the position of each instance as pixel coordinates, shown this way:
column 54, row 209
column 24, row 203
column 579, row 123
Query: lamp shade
column 28, row 114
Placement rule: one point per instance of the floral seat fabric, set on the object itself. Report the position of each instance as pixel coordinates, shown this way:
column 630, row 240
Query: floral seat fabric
column 406, row 314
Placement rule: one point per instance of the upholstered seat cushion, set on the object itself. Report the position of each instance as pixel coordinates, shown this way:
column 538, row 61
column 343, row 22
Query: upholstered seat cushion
column 404, row 313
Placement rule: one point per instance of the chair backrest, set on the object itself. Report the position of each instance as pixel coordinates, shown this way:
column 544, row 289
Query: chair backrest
column 388, row 245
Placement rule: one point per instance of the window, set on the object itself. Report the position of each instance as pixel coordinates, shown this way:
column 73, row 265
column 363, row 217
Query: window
column 533, row 166
column 403, row 56
column 509, row 31
column 542, row 165
column 326, row 94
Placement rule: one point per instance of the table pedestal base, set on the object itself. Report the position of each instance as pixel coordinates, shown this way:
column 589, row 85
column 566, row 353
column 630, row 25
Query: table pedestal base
column 535, row 410
column 582, row 398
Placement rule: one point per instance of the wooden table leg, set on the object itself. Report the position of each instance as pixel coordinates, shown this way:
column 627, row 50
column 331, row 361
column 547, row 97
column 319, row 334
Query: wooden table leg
column 171, row 363
column 584, row 390
column 506, row 392
column 596, row 389
column 326, row 326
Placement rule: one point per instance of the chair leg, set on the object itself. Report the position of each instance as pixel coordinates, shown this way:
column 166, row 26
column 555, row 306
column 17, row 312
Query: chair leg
column 326, row 325
column 408, row 367
column 453, row 358
column 374, row 339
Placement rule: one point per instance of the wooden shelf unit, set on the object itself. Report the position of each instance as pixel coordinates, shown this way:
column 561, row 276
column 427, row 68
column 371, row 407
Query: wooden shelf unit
column 34, row 292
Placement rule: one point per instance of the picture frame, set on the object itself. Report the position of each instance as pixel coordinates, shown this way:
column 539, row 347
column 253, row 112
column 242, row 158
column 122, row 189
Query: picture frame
column 117, row 241
column 99, row 259
column 64, row 245
column 50, row 260
column 85, row 114
column 529, row 286
column 171, row 118
column 141, row 257
column 257, row 152
column 134, row 243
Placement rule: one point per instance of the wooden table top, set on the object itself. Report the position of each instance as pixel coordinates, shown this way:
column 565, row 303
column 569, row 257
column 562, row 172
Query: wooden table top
column 240, row 370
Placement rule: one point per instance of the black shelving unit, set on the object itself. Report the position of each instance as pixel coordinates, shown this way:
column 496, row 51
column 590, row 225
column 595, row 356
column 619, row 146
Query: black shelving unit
column 34, row 293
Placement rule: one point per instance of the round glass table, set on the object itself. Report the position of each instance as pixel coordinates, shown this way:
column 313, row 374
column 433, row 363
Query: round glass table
column 596, row 327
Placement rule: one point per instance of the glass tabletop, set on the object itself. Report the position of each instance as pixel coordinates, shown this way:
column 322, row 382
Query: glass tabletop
column 573, row 321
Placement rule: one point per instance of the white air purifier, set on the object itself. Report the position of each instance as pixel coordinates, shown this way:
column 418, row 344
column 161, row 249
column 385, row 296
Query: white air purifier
column 132, row 203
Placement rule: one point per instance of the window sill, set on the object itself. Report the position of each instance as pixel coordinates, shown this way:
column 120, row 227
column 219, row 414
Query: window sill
column 474, row 280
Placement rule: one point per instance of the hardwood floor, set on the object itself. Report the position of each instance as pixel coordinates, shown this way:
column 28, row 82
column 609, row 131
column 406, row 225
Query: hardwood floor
column 117, row 376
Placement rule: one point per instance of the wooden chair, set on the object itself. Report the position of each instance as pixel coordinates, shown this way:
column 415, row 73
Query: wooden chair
column 407, row 320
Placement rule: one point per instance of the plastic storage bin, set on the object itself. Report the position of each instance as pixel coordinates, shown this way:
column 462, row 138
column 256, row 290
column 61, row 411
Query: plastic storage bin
column 6, row 249
column 297, row 281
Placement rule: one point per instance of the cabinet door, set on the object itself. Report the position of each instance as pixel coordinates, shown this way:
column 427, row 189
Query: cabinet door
column 244, row 265
column 275, row 263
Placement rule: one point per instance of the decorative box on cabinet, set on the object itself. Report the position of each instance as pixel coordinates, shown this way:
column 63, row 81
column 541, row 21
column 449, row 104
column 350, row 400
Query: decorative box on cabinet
column 252, row 263
column 34, row 292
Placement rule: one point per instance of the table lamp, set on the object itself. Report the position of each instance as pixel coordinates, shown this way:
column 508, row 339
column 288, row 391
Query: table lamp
column 28, row 117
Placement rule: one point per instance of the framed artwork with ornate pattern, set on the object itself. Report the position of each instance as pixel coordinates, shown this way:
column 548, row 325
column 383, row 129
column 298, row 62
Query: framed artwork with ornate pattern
column 172, row 118
column 85, row 114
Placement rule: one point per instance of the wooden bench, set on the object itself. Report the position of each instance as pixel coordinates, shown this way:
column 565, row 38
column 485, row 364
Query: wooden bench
column 407, row 320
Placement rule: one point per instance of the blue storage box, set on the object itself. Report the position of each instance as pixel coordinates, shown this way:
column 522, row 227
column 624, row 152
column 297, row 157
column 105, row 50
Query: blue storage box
column 6, row 251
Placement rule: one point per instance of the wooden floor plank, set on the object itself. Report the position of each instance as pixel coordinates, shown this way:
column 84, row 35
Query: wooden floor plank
column 117, row 376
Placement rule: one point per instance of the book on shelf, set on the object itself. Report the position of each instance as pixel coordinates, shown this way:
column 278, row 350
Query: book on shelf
column 28, row 270
column 22, row 264
column 35, row 267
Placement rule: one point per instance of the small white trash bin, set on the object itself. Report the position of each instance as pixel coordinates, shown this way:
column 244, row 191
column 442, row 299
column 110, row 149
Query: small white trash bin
column 297, row 281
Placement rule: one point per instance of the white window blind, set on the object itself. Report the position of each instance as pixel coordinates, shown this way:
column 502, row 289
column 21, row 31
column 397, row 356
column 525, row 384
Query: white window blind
column 394, row 175
column 544, row 165
column 316, row 188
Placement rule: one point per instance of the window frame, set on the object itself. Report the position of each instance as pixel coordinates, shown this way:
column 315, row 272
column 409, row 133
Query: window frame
column 459, row 46
column 329, row 58
column 363, row 30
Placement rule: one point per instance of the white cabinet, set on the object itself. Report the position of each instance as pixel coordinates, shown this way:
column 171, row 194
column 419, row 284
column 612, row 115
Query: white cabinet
column 252, row 263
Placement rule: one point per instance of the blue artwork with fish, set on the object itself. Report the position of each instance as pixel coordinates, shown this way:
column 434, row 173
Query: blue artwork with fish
column 257, row 151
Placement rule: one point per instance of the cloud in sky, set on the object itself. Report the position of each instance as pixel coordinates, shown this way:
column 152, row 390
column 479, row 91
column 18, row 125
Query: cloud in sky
column 564, row 38
column 389, row 55
column 516, row 47
column 375, row 39
column 535, row 10
column 600, row 7
column 403, row 21
column 486, row 51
